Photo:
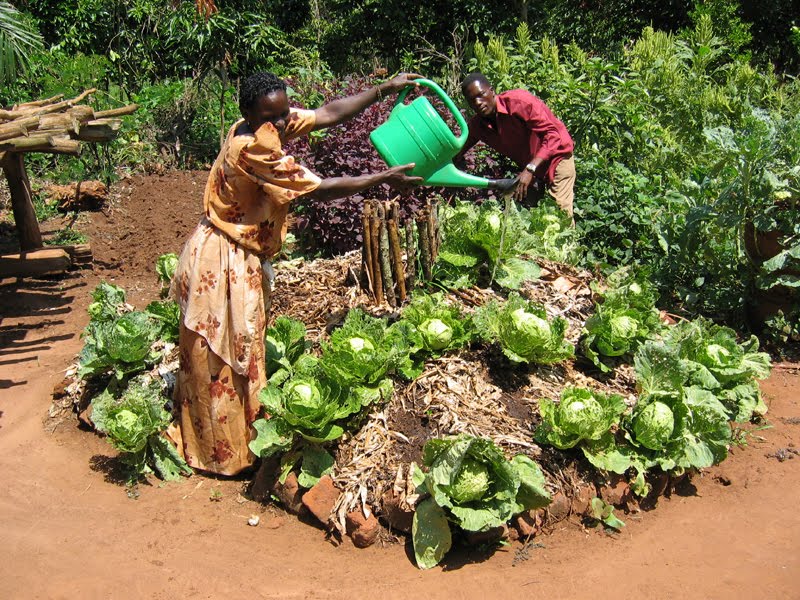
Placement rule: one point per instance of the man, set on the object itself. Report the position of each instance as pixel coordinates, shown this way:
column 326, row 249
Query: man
column 520, row 126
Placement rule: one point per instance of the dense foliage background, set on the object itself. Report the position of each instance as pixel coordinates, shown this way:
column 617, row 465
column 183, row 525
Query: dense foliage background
column 684, row 113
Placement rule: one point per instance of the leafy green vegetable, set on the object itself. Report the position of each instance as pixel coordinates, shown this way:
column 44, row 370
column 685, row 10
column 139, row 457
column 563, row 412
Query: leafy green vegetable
column 471, row 239
column 602, row 512
column 580, row 415
column 523, row 331
column 714, row 360
column 310, row 407
column 108, row 302
column 363, row 351
column 133, row 420
column 287, row 350
column 166, row 264
column 122, row 345
column 441, row 326
column 654, row 425
column 471, row 484
column 169, row 313
column 626, row 318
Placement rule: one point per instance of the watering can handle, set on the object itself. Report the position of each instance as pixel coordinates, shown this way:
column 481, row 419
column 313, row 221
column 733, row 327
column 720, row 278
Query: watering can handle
column 462, row 124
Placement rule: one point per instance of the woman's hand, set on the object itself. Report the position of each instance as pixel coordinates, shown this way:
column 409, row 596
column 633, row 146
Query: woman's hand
column 397, row 83
column 399, row 180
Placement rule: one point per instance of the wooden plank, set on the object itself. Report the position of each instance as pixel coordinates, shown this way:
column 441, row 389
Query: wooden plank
column 78, row 253
column 34, row 262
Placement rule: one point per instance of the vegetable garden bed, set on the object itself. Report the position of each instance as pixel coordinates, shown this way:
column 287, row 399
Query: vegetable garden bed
column 472, row 393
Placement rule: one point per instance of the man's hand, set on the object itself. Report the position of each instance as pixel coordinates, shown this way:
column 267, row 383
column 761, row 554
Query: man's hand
column 521, row 191
column 397, row 178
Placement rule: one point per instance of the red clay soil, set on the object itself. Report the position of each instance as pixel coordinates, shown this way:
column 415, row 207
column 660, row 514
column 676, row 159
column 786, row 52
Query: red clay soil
column 70, row 531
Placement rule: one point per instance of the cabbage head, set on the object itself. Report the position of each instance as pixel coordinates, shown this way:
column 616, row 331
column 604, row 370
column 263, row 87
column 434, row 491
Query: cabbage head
column 523, row 331
column 530, row 325
column 436, row 334
column 438, row 326
column 358, row 344
column 654, row 425
column 166, row 265
column 472, row 482
column 581, row 415
column 308, row 406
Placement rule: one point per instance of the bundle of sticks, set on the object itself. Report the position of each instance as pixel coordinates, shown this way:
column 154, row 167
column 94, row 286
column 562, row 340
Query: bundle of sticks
column 384, row 273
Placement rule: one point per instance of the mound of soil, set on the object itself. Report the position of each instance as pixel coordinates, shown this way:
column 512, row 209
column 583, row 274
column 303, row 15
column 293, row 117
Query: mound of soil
column 732, row 532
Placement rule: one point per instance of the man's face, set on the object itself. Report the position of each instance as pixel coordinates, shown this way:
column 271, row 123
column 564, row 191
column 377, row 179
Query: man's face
column 480, row 97
column 272, row 108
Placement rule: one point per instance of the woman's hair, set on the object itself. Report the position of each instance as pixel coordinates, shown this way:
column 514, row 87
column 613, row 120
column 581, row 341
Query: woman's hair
column 257, row 85
column 472, row 78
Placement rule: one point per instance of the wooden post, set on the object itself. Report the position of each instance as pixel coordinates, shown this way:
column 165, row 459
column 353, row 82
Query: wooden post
column 386, row 265
column 367, row 277
column 30, row 237
column 411, row 255
column 397, row 259
column 375, row 234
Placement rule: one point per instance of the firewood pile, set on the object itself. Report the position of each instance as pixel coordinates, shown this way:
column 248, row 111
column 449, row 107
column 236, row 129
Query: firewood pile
column 57, row 126
column 54, row 126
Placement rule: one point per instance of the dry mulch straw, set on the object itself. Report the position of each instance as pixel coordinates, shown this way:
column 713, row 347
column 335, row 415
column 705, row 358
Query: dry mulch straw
column 476, row 391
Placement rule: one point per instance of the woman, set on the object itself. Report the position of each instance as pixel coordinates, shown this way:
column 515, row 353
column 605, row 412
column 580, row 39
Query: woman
column 219, row 279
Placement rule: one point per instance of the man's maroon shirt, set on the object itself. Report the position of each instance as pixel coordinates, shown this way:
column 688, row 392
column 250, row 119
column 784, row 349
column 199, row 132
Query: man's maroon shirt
column 526, row 129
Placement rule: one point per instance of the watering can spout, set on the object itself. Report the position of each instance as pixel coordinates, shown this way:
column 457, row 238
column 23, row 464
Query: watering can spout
column 449, row 176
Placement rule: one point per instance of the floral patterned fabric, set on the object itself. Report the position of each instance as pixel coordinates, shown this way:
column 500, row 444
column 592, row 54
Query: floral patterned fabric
column 220, row 286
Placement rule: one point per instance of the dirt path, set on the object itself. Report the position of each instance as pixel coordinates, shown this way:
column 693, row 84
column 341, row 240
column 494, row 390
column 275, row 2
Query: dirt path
column 69, row 530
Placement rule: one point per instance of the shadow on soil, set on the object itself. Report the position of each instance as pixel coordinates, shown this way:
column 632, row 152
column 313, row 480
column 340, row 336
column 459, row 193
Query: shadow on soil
column 113, row 469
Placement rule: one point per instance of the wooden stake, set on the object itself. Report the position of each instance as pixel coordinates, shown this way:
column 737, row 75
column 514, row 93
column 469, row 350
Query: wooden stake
column 367, row 278
column 386, row 265
column 411, row 255
column 397, row 259
column 375, row 234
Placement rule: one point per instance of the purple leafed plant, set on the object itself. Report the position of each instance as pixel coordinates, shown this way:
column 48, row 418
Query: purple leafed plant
column 334, row 227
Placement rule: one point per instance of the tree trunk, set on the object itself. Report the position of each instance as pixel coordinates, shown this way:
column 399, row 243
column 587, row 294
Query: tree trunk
column 30, row 237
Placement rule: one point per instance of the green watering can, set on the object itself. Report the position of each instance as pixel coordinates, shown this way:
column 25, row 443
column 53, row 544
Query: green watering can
column 416, row 133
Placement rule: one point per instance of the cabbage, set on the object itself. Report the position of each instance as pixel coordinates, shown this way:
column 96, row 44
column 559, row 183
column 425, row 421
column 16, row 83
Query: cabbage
column 166, row 265
column 654, row 425
column 436, row 333
column 530, row 324
column 523, row 331
column 580, row 415
column 435, row 326
column 126, row 421
column 624, row 327
column 471, row 483
column 360, row 344
column 716, row 355
column 133, row 419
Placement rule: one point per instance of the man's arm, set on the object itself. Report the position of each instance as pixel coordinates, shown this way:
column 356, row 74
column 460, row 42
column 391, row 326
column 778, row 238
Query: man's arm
column 539, row 124
column 344, row 109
